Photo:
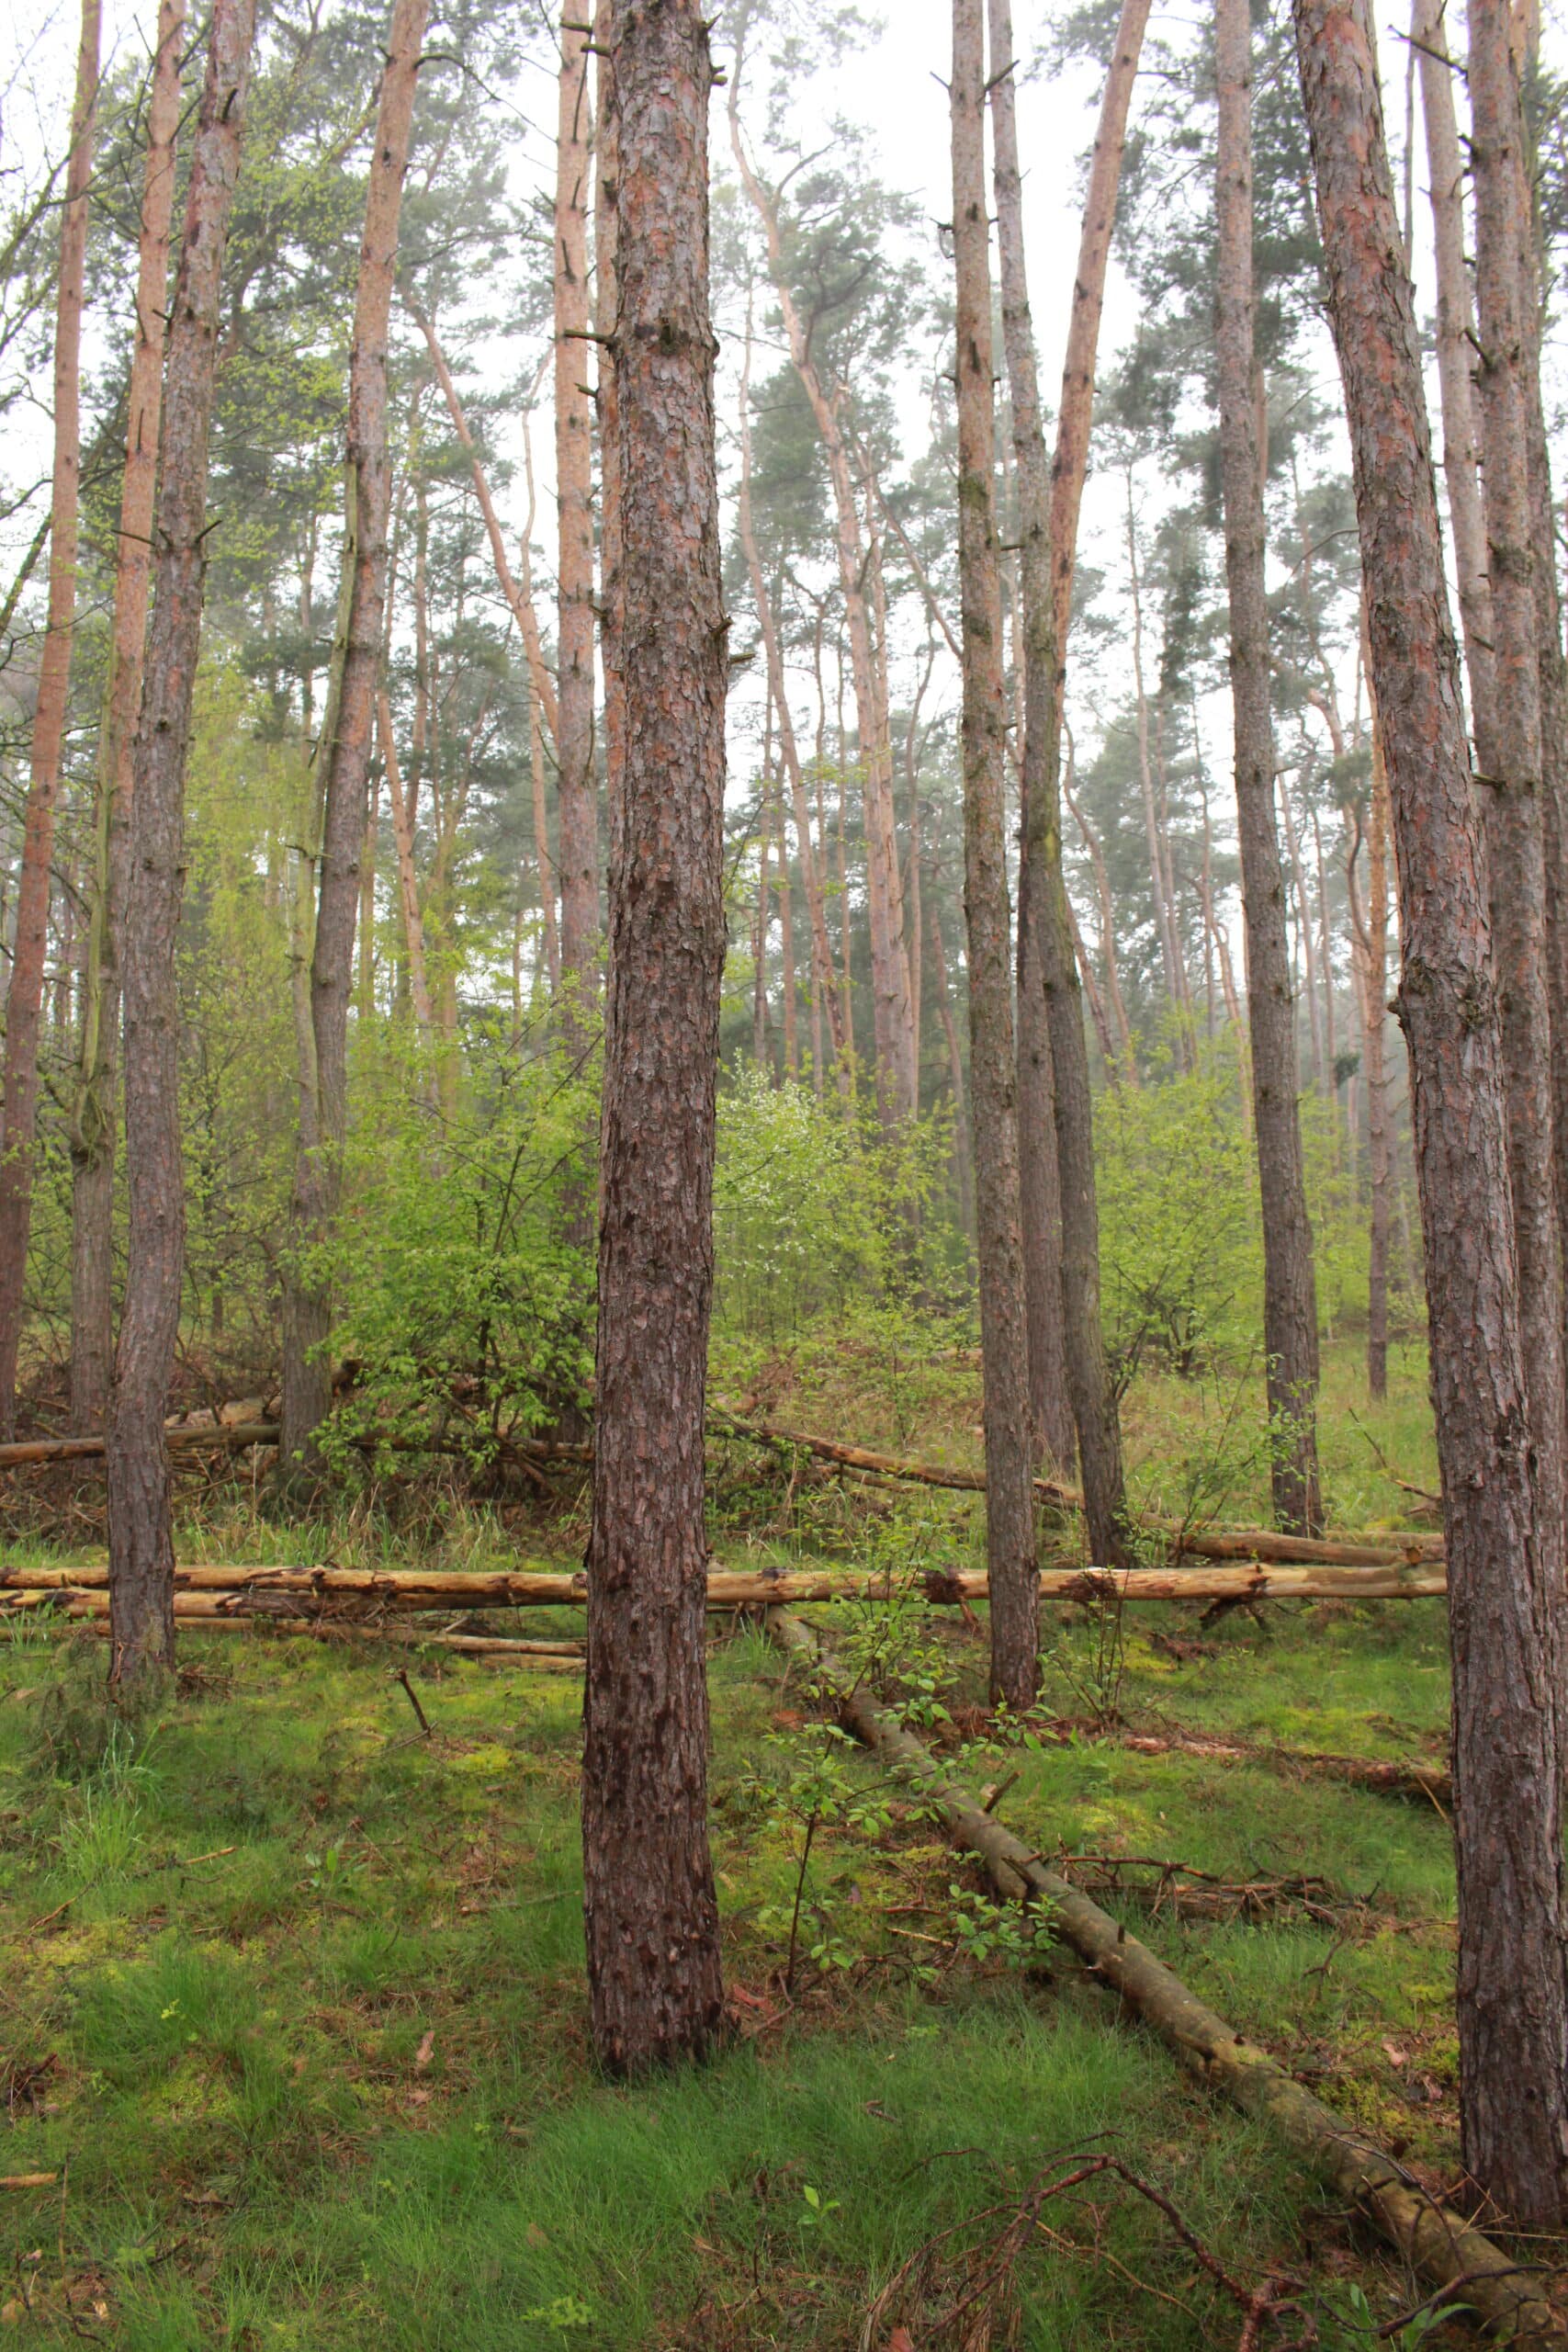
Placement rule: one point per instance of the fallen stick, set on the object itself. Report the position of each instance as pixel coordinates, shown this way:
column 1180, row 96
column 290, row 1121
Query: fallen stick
column 27, row 2179
column 1432, row 2238
column 220, row 1592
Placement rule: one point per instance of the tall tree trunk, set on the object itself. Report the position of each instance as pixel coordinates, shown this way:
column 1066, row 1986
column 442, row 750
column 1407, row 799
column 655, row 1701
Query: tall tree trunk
column 344, row 754
column 1009, row 1499
column 538, row 685
column 650, row 1906
column 1164, row 927
column 24, row 999
column 1456, row 359
column 579, row 859
column 1040, row 1183
column 141, row 1554
column 1290, row 1297
column 1513, row 796
column 786, row 949
column 1050, row 541
column 97, row 1107
column 1378, row 1155
column 1502, row 1583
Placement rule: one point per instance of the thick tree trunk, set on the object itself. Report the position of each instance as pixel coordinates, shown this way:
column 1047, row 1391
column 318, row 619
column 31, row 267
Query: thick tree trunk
column 1040, row 1176
column 578, row 839
column 1009, row 1499
column 649, row 1907
column 1290, row 1299
column 1053, row 542
column 142, row 1556
column 97, row 1108
column 1502, row 1583
column 1512, row 794
column 345, row 754
column 24, row 997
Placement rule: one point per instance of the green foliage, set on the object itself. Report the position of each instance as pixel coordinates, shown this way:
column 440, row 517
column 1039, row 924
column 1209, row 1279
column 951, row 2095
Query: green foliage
column 463, row 1306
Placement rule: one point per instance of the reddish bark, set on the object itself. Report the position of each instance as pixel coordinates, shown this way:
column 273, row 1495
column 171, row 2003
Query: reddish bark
column 649, row 1907
column 97, row 1109
column 1502, row 1583
column 141, row 1556
column 24, row 996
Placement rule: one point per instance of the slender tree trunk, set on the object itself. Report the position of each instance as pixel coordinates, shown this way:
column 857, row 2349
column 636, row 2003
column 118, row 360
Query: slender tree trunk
column 345, row 754
column 518, row 595
column 821, row 950
column 407, row 879
column 1513, row 796
column 1456, row 359
column 1120, row 1061
column 141, row 1556
column 1303, row 933
column 1374, row 1017
column 97, row 1108
column 1039, row 1172
column 24, row 999
column 1502, row 1583
column 1051, row 541
column 1009, row 1448
column 1289, row 1300
column 890, row 973
column 578, row 861
column 962, row 1157
column 786, row 950
column 650, row 1906
column 1164, row 927
column 538, row 682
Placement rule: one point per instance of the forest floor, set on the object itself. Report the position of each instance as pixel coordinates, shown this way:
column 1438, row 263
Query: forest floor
column 294, row 2012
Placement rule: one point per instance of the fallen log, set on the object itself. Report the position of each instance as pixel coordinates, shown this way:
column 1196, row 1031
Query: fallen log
column 1397, row 1779
column 229, row 1591
column 235, row 1437
column 548, row 1658
column 1435, row 2240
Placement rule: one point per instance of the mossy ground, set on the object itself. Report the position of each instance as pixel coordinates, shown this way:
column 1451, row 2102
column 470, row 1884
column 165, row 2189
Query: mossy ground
column 294, row 2005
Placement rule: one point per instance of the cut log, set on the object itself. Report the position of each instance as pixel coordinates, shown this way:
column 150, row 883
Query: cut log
column 1439, row 2243
column 222, row 1591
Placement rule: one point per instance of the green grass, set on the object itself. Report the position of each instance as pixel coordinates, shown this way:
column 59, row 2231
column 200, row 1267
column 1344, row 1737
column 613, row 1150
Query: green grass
column 310, row 2037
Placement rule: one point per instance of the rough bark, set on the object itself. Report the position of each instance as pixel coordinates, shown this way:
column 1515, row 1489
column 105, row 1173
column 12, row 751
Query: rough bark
column 1512, row 794
column 1010, row 1513
column 1502, row 1584
column 1038, row 1173
column 1290, row 1299
column 24, row 996
column 577, row 865
column 344, row 755
column 97, row 1109
column 649, row 1900
column 142, row 1558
